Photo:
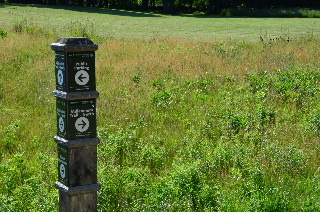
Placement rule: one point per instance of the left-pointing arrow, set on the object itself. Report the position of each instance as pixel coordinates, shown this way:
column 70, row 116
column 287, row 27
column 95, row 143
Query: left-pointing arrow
column 82, row 77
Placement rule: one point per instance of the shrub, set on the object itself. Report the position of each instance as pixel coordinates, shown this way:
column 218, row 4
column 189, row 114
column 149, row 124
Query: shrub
column 3, row 33
column 275, row 12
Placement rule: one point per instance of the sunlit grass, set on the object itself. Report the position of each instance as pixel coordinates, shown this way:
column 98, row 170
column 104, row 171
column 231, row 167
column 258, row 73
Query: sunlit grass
column 129, row 24
column 225, row 125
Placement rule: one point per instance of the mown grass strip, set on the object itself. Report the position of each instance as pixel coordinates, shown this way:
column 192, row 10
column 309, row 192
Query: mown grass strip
column 129, row 24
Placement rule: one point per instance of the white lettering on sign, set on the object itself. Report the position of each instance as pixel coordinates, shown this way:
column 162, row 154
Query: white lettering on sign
column 82, row 102
column 82, row 124
column 83, row 113
column 61, row 124
column 60, row 65
column 61, row 113
column 62, row 159
column 82, row 68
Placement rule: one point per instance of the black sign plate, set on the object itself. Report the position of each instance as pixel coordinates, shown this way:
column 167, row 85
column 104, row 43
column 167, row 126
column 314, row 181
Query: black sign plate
column 81, row 71
column 75, row 71
column 61, row 71
column 76, row 119
column 63, row 166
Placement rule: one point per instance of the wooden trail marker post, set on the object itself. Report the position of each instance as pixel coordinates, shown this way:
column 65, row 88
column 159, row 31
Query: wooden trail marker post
column 76, row 124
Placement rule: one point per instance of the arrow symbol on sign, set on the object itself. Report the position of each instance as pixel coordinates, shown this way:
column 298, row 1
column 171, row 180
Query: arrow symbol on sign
column 82, row 124
column 82, row 77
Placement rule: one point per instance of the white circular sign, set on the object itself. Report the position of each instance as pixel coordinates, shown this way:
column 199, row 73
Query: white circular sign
column 61, row 124
column 82, row 77
column 82, row 124
column 62, row 171
column 60, row 77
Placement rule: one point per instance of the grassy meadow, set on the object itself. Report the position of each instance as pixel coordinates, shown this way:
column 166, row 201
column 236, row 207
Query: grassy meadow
column 129, row 24
column 228, row 123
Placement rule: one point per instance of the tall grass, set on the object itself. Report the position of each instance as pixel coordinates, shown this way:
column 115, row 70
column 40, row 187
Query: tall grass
column 184, row 126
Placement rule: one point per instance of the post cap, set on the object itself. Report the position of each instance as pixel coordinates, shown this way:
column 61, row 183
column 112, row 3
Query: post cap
column 74, row 44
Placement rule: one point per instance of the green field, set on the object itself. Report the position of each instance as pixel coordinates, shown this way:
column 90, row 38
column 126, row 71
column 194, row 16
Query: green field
column 128, row 24
column 204, row 121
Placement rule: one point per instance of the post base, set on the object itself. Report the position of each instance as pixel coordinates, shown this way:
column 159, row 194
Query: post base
column 78, row 199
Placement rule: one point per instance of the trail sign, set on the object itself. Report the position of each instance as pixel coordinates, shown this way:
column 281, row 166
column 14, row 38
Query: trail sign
column 75, row 71
column 63, row 165
column 60, row 71
column 76, row 124
column 76, row 119
column 75, row 64
column 77, row 165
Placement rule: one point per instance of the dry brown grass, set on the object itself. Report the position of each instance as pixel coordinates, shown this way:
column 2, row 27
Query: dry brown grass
column 28, row 72
column 178, row 60
column 121, row 59
column 127, row 70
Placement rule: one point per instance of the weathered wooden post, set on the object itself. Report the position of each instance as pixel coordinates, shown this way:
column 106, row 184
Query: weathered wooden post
column 76, row 124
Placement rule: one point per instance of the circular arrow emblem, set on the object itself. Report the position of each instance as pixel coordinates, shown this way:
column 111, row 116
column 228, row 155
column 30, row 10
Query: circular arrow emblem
column 60, row 77
column 82, row 124
column 61, row 124
column 62, row 171
column 82, row 77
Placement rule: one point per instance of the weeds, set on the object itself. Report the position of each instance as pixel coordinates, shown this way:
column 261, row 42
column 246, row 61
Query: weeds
column 314, row 120
column 30, row 27
column 3, row 33
column 234, row 128
column 82, row 29
column 136, row 79
column 297, row 86
column 10, row 135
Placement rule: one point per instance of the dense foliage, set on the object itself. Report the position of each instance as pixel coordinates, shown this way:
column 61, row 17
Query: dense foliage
column 184, row 125
column 178, row 6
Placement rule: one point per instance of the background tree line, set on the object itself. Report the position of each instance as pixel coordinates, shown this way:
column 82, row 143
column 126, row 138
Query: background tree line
column 178, row 6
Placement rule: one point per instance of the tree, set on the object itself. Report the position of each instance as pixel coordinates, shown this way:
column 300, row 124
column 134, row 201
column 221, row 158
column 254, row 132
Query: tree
column 168, row 7
column 91, row 3
column 64, row 2
column 145, row 4
column 80, row 3
column 53, row 2
column 103, row 3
